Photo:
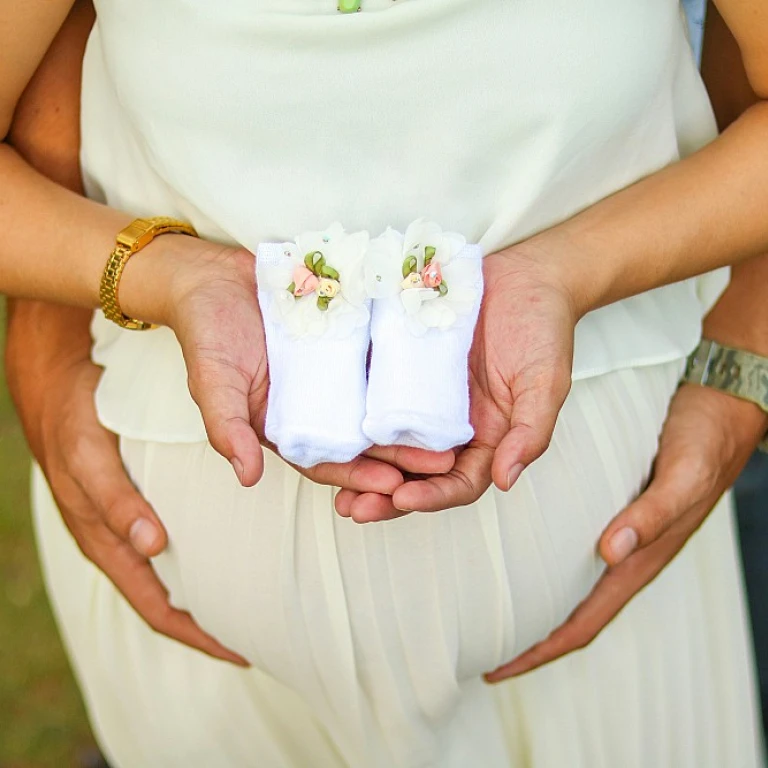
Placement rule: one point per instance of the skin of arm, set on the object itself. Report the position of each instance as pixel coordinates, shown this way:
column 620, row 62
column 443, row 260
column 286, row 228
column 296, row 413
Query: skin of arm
column 708, row 437
column 45, row 131
column 204, row 291
column 536, row 291
column 110, row 521
column 176, row 279
column 640, row 238
column 650, row 240
column 46, row 342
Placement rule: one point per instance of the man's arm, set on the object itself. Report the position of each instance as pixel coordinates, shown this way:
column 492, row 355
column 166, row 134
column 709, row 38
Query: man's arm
column 111, row 522
column 46, row 132
column 708, row 436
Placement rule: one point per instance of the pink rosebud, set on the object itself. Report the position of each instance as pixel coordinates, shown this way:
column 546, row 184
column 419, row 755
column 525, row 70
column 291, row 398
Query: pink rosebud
column 304, row 280
column 432, row 275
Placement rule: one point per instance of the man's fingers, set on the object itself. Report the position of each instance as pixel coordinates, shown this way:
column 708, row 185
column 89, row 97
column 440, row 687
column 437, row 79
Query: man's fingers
column 534, row 414
column 617, row 586
column 643, row 521
column 464, row 484
column 221, row 394
column 676, row 488
column 98, row 470
column 139, row 584
column 608, row 597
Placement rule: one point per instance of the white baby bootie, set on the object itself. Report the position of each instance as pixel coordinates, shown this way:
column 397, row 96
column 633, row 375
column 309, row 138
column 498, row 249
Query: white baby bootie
column 427, row 288
column 317, row 326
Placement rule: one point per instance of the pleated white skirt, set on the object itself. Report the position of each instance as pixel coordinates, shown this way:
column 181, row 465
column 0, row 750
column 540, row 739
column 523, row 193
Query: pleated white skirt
column 368, row 642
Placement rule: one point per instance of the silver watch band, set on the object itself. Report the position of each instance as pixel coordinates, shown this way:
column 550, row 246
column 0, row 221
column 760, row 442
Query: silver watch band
column 735, row 371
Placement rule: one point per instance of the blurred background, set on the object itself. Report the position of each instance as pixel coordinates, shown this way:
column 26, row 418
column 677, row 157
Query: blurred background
column 42, row 720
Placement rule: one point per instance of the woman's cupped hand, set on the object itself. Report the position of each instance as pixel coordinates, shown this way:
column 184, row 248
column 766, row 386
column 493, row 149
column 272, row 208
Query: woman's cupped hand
column 520, row 375
column 212, row 307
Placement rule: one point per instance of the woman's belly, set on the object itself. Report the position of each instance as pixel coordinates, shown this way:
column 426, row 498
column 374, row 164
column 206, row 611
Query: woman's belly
column 388, row 625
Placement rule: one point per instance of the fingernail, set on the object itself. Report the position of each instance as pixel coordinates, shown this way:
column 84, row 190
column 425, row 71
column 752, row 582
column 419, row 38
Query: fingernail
column 622, row 544
column 143, row 536
column 514, row 474
column 237, row 465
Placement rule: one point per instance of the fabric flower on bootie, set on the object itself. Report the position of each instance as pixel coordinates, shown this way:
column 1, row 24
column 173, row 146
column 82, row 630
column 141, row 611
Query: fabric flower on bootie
column 316, row 283
column 316, row 322
column 304, row 282
column 427, row 287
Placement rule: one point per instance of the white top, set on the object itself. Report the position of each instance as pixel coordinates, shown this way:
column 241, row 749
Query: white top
column 259, row 119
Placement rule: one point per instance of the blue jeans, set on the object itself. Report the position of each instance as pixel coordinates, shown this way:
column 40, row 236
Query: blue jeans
column 752, row 512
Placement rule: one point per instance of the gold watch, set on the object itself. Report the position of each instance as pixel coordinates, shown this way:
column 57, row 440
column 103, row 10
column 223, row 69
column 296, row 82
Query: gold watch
column 133, row 238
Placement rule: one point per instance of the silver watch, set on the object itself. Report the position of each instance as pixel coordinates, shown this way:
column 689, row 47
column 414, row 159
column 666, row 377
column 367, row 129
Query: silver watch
column 735, row 371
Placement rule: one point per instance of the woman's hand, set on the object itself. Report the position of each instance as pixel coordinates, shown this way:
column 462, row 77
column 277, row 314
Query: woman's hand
column 207, row 294
column 707, row 439
column 214, row 311
column 520, row 375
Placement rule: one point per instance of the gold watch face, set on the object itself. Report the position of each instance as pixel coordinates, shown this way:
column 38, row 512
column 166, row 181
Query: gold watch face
column 133, row 238
column 137, row 234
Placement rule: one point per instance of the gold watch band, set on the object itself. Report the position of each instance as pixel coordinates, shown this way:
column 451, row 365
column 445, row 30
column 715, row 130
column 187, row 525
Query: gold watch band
column 132, row 239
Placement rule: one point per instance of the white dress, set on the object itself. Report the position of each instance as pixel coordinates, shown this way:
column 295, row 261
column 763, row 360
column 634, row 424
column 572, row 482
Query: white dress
column 259, row 120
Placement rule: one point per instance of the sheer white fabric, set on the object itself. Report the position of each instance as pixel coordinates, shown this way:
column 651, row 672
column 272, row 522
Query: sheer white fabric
column 260, row 120
column 496, row 120
column 368, row 641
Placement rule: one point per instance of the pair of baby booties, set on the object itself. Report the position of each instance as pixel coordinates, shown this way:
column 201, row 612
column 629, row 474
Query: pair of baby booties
column 328, row 298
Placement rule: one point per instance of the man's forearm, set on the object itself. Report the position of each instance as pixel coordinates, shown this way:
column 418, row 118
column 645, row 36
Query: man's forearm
column 41, row 340
column 44, row 337
column 740, row 318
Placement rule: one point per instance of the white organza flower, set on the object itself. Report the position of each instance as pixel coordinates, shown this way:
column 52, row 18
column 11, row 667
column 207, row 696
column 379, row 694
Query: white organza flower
column 390, row 254
column 422, row 234
column 317, row 313
column 384, row 264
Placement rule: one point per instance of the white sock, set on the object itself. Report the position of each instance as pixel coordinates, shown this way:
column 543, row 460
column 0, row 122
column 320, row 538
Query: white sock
column 317, row 359
column 418, row 389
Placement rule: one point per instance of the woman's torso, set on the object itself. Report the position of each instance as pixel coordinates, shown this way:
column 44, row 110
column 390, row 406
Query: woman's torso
column 257, row 121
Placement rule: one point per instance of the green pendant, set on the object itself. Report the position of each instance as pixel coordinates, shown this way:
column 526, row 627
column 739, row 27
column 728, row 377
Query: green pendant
column 349, row 6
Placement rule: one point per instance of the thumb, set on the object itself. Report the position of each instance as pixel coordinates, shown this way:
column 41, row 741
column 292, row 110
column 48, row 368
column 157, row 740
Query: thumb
column 531, row 424
column 109, row 489
column 670, row 494
column 221, row 393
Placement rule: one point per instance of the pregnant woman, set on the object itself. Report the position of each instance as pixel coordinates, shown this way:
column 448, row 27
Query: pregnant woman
column 525, row 126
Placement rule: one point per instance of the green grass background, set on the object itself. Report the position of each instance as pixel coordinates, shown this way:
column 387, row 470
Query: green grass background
column 42, row 721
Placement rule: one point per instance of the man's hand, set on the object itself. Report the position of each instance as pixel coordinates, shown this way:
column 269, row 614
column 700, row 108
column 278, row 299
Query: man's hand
column 110, row 521
column 53, row 383
column 52, row 379
column 520, row 374
column 708, row 436
column 707, row 439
